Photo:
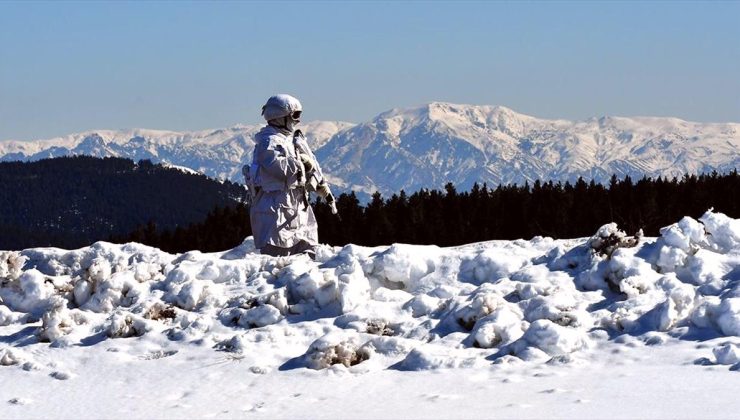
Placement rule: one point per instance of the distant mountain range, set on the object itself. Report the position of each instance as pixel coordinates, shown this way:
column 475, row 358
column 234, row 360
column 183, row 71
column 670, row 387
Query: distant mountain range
column 430, row 145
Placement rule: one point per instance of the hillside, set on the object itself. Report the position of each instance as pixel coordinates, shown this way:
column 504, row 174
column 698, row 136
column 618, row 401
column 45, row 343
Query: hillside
column 74, row 201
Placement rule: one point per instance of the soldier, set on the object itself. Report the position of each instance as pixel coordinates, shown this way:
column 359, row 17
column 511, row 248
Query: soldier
column 282, row 172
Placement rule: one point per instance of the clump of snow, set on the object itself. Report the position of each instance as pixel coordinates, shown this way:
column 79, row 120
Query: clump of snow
column 9, row 357
column 502, row 327
column 405, row 266
column 552, row 338
column 723, row 232
column 400, row 306
column 727, row 316
column 727, row 354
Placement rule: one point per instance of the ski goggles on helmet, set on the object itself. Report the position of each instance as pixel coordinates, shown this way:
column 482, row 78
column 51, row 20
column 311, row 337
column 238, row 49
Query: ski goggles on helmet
column 296, row 115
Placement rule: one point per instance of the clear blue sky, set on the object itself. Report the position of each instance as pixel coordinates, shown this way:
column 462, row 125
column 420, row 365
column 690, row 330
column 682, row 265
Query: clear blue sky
column 73, row 66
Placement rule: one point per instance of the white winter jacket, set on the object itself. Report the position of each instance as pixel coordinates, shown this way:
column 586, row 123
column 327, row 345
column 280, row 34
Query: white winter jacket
column 280, row 214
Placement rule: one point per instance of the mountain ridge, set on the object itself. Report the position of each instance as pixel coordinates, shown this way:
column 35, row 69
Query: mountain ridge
column 429, row 145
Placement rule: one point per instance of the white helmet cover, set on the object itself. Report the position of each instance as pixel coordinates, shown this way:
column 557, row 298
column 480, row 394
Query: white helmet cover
column 279, row 106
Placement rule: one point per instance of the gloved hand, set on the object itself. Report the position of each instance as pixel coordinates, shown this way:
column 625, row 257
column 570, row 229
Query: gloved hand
column 324, row 192
column 307, row 162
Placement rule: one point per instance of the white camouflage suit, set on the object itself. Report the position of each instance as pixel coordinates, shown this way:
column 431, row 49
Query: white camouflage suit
column 283, row 223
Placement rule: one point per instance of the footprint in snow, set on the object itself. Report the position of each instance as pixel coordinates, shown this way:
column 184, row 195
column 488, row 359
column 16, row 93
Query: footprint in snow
column 260, row 406
column 29, row 366
column 60, row 375
column 159, row 354
column 512, row 405
column 19, row 401
column 438, row 397
column 704, row 361
column 554, row 391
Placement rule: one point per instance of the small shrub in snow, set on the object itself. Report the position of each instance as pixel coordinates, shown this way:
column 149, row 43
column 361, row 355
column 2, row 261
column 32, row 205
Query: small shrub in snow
column 235, row 344
column 160, row 312
column 379, row 327
column 11, row 265
column 123, row 325
column 335, row 349
column 608, row 238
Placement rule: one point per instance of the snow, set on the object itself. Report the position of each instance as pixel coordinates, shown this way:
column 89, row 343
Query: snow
column 218, row 153
column 602, row 326
column 432, row 144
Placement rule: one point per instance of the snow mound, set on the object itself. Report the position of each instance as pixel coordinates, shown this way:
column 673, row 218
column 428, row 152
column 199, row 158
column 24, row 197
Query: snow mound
column 403, row 306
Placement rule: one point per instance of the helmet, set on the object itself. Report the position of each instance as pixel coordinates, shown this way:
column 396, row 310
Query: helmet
column 282, row 105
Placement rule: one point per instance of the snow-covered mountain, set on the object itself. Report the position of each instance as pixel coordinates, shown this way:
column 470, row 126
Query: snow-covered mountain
column 218, row 153
column 433, row 144
column 436, row 143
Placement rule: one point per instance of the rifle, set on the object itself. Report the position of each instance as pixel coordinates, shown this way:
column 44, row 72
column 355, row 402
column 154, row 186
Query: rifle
column 315, row 178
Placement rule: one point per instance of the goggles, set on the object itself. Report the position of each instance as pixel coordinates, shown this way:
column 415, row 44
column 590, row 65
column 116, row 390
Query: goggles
column 296, row 115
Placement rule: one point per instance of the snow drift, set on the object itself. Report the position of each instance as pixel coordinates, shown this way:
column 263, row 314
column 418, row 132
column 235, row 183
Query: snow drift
column 403, row 307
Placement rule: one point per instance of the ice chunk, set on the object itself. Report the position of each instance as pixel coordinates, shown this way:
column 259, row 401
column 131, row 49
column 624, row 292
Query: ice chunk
column 502, row 327
column 403, row 266
column 260, row 316
column 685, row 235
column 32, row 293
column 724, row 232
column 554, row 339
column 422, row 305
column 728, row 316
column 9, row 357
column 727, row 354
column 438, row 357
column 491, row 265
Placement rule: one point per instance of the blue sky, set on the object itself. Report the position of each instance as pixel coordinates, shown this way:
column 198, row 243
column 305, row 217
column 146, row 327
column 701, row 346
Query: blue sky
column 73, row 66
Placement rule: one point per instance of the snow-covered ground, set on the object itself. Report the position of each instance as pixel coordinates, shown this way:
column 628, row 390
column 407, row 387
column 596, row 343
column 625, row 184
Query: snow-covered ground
column 607, row 326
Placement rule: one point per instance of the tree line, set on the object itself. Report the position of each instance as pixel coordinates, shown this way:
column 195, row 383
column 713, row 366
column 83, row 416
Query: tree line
column 449, row 217
column 70, row 202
